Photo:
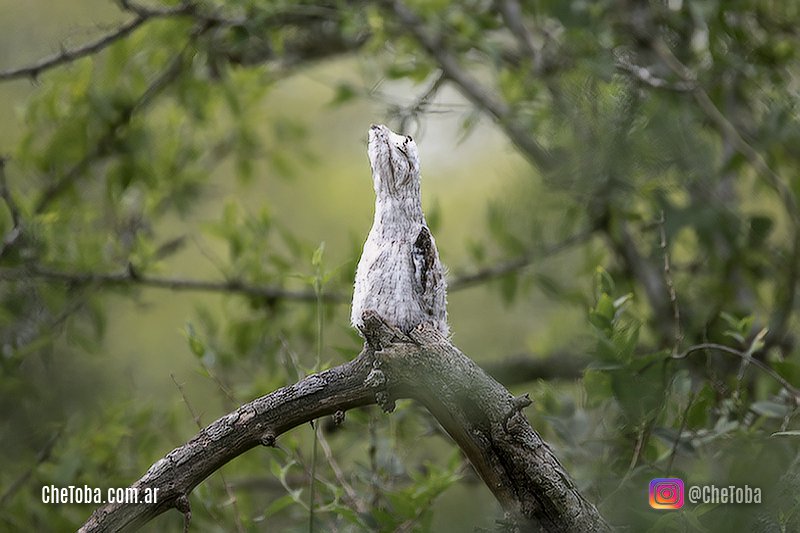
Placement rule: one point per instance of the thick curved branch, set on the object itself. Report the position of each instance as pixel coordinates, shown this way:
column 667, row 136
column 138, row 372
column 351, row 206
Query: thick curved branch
column 483, row 418
column 486, row 422
column 259, row 422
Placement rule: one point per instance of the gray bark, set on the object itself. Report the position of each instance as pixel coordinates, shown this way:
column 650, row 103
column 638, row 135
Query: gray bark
column 481, row 416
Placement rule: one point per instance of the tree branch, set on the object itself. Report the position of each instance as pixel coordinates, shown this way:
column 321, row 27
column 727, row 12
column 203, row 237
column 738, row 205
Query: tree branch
column 269, row 293
column 483, row 418
column 527, row 258
column 486, row 422
column 470, row 87
column 256, row 423
column 785, row 292
column 524, row 368
column 70, row 55
column 747, row 358
column 129, row 278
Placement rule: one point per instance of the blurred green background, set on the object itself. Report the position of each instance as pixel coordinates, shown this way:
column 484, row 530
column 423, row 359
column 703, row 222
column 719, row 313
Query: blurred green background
column 228, row 142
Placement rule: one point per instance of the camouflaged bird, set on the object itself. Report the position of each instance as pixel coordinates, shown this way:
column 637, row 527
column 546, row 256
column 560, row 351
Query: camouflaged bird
column 399, row 275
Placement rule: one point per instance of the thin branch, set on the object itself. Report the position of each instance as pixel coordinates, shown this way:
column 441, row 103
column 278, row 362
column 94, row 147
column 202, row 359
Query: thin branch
column 70, row 55
column 237, row 519
column 524, row 368
column 527, row 258
column 358, row 504
column 470, row 87
column 725, row 126
column 747, row 358
column 44, row 455
column 5, row 194
column 644, row 75
column 101, row 148
column 684, row 420
column 785, row 293
column 511, row 12
column 269, row 293
column 129, row 278
column 419, row 105
column 668, row 281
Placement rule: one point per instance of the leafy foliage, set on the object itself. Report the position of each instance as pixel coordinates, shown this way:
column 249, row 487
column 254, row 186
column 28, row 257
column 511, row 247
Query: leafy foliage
column 659, row 200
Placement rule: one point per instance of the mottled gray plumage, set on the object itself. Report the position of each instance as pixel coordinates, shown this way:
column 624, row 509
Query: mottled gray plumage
column 399, row 275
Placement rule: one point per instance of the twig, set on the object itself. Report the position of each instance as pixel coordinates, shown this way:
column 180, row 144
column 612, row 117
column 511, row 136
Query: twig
column 684, row 419
column 668, row 281
column 511, row 12
column 5, row 194
column 470, row 87
column 726, row 127
column 794, row 391
column 128, row 278
column 44, row 455
column 359, row 505
column 410, row 112
column 785, row 293
column 643, row 75
column 228, row 490
column 527, row 258
column 70, row 55
column 168, row 75
column 270, row 293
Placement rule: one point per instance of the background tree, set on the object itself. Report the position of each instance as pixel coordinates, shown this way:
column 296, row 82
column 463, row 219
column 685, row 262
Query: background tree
column 645, row 246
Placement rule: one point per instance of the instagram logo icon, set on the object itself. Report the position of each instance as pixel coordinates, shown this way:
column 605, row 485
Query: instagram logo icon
column 666, row 493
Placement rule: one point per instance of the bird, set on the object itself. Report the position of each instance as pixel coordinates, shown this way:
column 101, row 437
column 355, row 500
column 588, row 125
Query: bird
column 399, row 275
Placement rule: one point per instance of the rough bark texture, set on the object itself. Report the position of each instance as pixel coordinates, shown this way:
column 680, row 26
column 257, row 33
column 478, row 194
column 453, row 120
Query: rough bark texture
column 483, row 418
column 486, row 422
column 259, row 422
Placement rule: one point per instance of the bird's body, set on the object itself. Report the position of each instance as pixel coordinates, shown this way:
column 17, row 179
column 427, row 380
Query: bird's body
column 399, row 275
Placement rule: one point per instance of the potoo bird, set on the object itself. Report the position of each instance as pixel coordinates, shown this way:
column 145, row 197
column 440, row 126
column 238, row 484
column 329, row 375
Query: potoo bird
column 399, row 275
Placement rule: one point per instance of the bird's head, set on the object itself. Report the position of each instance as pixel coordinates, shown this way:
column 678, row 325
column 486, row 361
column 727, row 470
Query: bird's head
column 394, row 160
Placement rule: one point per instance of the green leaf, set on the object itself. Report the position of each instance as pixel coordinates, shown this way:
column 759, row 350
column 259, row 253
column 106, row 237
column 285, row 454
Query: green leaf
column 344, row 93
column 603, row 282
column 278, row 505
column 196, row 344
column 316, row 258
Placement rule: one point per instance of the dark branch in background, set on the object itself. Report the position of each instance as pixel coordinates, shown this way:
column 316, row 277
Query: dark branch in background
column 113, row 130
column 130, row 278
column 70, row 55
column 44, row 455
column 470, row 87
column 103, row 145
column 748, row 359
column 524, row 368
column 501, row 269
column 785, row 292
column 647, row 274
